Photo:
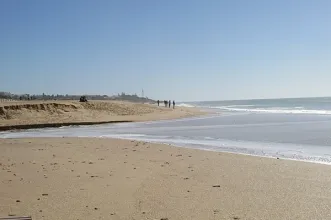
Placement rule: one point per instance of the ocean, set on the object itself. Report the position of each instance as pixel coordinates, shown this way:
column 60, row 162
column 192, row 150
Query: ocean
column 288, row 106
column 295, row 129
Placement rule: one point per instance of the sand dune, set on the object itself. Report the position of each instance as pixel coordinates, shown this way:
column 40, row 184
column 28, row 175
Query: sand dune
column 60, row 112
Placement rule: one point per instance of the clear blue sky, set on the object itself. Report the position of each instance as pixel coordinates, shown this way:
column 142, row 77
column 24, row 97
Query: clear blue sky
column 174, row 49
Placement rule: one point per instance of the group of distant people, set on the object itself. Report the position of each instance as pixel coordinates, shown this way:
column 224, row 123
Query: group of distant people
column 167, row 103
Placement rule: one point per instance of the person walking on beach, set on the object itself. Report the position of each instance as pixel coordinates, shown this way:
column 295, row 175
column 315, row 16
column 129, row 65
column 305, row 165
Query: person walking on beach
column 173, row 104
column 158, row 102
column 169, row 103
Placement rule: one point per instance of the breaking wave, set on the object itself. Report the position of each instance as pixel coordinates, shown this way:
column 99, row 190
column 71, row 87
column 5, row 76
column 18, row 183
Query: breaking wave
column 256, row 109
column 186, row 105
column 275, row 110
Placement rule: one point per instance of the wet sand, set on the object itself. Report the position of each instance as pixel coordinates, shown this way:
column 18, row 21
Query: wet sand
column 80, row 178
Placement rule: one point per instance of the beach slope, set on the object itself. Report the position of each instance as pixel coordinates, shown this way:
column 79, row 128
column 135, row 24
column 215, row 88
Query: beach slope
column 90, row 178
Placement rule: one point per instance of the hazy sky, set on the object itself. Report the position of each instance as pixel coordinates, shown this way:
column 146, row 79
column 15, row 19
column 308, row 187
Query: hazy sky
column 173, row 49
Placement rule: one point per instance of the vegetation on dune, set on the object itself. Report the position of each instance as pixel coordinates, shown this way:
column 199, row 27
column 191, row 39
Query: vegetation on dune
column 122, row 97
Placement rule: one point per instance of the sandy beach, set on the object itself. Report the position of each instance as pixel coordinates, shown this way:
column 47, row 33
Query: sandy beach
column 78, row 178
column 95, row 178
column 44, row 113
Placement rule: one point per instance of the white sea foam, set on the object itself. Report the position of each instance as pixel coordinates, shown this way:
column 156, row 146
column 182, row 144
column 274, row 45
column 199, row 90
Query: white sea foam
column 274, row 110
column 231, row 106
column 124, row 136
column 185, row 105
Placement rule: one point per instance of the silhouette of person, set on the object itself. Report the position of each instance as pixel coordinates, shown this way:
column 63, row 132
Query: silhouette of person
column 169, row 103
column 158, row 102
column 173, row 104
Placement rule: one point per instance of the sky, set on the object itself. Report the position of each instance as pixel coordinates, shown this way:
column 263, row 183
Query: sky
column 185, row 50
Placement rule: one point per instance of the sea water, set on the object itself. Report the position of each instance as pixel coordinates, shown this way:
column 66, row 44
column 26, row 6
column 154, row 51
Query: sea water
column 321, row 105
column 298, row 129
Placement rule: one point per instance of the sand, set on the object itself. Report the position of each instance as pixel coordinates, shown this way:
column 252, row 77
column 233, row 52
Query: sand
column 90, row 178
column 74, row 112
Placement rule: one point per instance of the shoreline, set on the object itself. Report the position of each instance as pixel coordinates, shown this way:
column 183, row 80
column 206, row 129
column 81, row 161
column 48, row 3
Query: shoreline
column 209, row 150
column 22, row 128
column 67, row 124
column 175, row 145
column 55, row 125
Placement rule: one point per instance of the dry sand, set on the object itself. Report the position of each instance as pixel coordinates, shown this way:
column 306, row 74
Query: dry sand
column 72, row 178
column 46, row 112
